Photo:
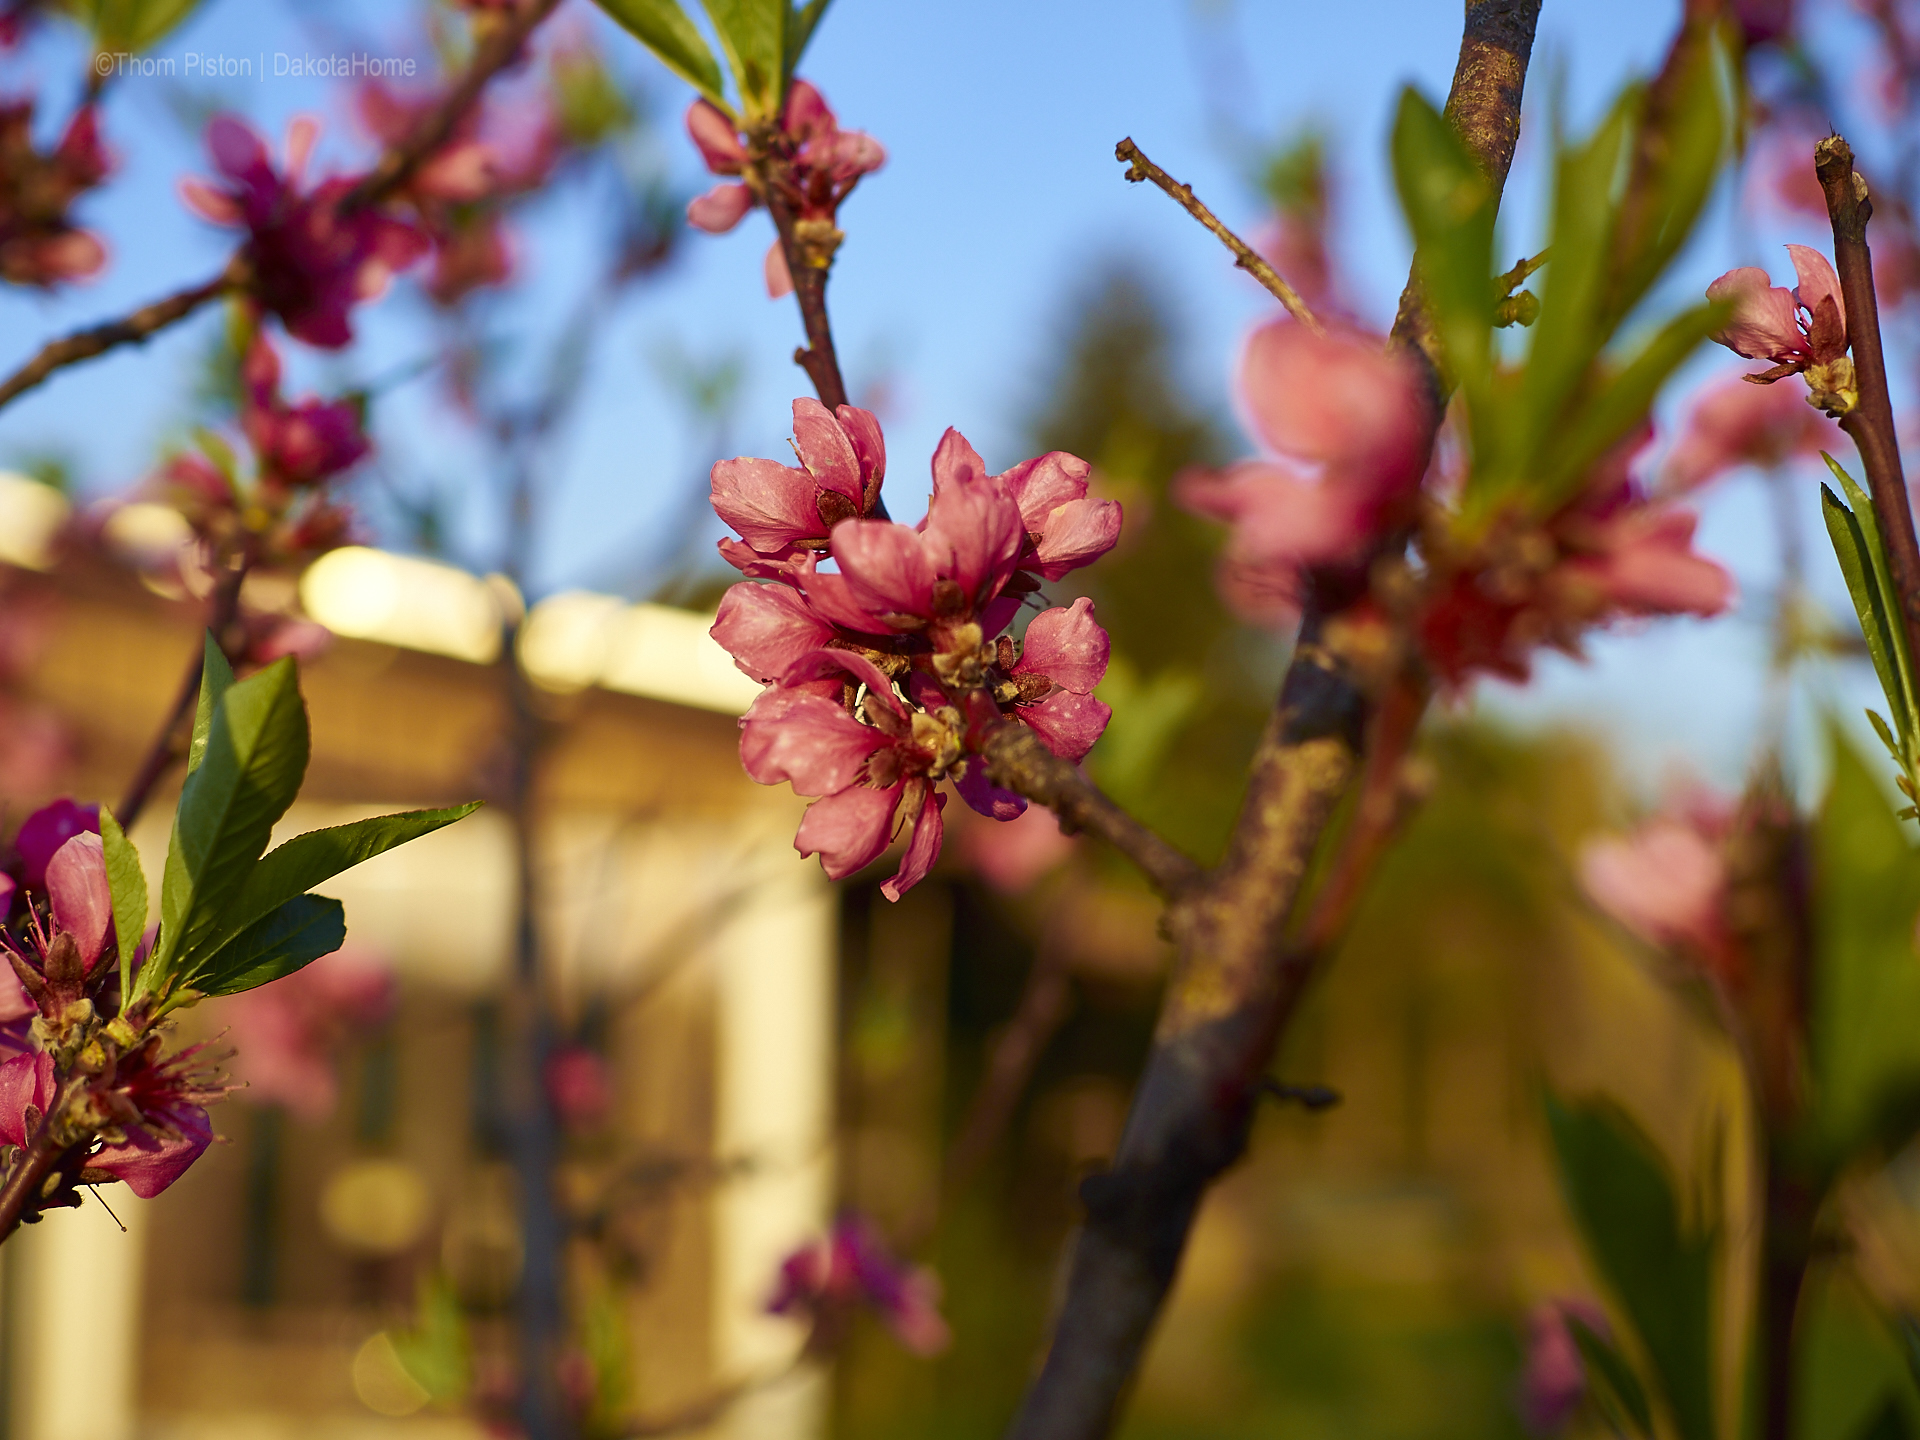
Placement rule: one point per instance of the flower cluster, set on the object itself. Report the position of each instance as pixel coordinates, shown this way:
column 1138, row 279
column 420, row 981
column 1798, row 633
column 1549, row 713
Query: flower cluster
column 812, row 162
column 1350, row 429
column 39, row 244
column 284, row 511
column 890, row 672
column 311, row 260
column 1802, row 330
column 85, row 1081
column 826, row 1281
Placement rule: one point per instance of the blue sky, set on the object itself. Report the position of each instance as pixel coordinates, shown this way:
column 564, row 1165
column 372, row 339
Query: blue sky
column 1000, row 195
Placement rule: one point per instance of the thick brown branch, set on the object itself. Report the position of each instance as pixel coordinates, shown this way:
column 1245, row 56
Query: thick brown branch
column 1235, row 984
column 1870, row 423
column 134, row 329
column 493, row 54
column 1139, row 168
column 1019, row 761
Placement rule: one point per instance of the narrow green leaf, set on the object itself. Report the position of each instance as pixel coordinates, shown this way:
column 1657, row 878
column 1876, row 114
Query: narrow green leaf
column 317, row 856
column 1662, row 1273
column 1905, row 699
column 1450, row 206
column 1610, row 415
column 663, row 27
column 256, row 755
column 754, row 35
column 1885, row 732
column 1864, row 1006
column 216, row 676
column 1613, row 1371
column 799, row 32
column 276, row 945
column 1851, row 548
column 127, row 884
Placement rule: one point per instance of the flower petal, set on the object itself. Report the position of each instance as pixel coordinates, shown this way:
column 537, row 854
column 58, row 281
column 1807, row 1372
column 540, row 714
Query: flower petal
column 1076, row 534
column 955, row 462
column 77, row 886
column 150, row 1163
column 1763, row 325
column 43, row 833
column 974, row 532
column 886, row 567
column 720, row 209
column 1338, row 398
column 848, row 830
column 924, row 848
column 24, row 1080
column 984, row 796
column 1041, row 485
column 1817, row 283
column 771, row 506
column 1067, row 646
column 779, row 278
column 862, row 428
column 767, row 627
column 825, row 449
column 717, row 140
column 1069, row 723
column 808, row 740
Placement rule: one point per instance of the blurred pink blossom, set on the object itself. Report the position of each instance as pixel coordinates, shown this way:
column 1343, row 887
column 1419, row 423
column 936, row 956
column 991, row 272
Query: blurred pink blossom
column 1732, row 423
column 288, row 1034
column 1555, row 1379
column 824, row 1281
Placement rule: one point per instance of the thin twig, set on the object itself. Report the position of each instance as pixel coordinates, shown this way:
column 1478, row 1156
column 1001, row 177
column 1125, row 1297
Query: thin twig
column 134, row 329
column 1019, row 761
column 1139, row 168
column 1870, row 422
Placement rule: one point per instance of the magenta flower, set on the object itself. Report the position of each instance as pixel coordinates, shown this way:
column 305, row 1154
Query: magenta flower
column 26, row 1094
column 825, row 1281
column 1050, row 685
column 301, row 444
column 43, row 833
column 312, row 263
column 156, row 1109
column 39, row 243
column 781, row 511
column 815, row 165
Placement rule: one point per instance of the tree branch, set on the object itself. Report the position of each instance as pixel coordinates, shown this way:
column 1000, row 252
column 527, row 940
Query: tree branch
column 1018, row 760
column 1235, row 983
column 1139, row 168
column 1870, row 422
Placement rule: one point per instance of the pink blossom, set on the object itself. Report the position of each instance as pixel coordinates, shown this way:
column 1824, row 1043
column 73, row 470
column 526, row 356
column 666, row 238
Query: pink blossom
column 579, row 1086
column 1064, row 656
column 300, row 444
column 1732, row 423
column 1666, row 882
column 288, row 1034
column 1766, row 322
column 78, row 896
column 824, row 1281
column 1555, row 1379
column 1014, row 855
column 781, row 510
column 1066, row 528
column 39, row 243
column 768, row 629
column 311, row 261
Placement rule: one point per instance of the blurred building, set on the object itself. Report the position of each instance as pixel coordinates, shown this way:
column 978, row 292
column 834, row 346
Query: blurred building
column 687, row 953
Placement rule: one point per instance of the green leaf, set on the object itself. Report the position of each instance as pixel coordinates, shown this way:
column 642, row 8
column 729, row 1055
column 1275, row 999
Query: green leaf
column 1890, row 1423
column 255, row 757
column 296, row 934
column 1613, row 1371
column 127, row 884
column 1612, row 414
column 121, row 26
column 317, row 856
column 216, row 676
column 437, row 1352
column 1450, row 206
column 754, row 35
column 1660, row 1270
column 1897, row 681
column 1850, row 547
column 663, row 27
column 1865, row 994
column 799, row 31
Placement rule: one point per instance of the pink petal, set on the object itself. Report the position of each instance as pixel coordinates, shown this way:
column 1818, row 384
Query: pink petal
column 211, row 203
column 24, row 1080
column 718, row 142
column 863, row 433
column 1076, row 534
column 1339, row 398
column 1665, row 882
column 924, row 848
column 463, row 171
column 43, row 833
column 1068, row 722
column 302, row 131
column 807, row 740
column 1763, row 325
column 779, row 278
column 150, row 1163
column 1066, row 646
column 1012, row 857
column 1817, row 281
column 806, row 113
column 1041, row 485
column 849, row 830
column 955, row 462
column 817, row 664
column 974, row 533
column 720, row 209
column 15, row 1003
column 82, row 903
column 985, row 797
column 885, row 566
column 771, row 505
column 1279, row 518
column 1650, row 567
column 837, row 600
column 240, row 154
column 825, row 449
column 766, row 628
column 1734, row 423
